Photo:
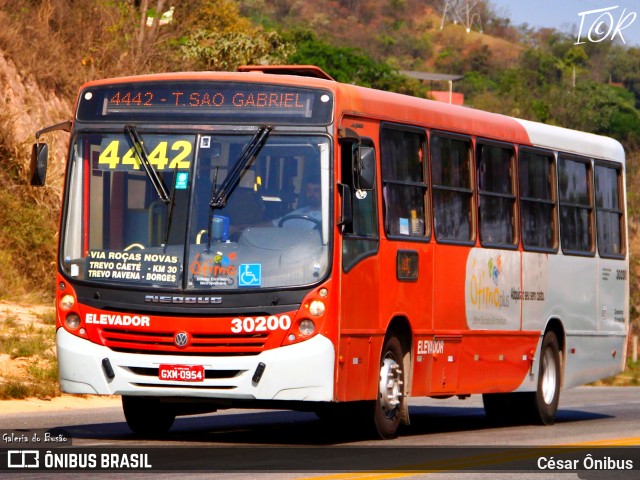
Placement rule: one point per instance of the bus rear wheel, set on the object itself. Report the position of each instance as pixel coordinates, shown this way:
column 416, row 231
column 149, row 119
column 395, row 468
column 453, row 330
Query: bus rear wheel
column 543, row 403
column 147, row 416
column 391, row 388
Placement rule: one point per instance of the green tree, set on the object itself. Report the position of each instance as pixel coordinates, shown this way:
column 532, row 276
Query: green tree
column 220, row 38
column 349, row 65
column 597, row 108
column 213, row 50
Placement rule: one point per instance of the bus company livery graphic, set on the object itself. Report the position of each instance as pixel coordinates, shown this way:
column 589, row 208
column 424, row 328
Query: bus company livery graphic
column 214, row 269
column 494, row 269
column 485, row 291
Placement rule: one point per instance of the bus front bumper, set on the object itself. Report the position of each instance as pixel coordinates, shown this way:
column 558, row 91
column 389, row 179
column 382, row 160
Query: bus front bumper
column 299, row 372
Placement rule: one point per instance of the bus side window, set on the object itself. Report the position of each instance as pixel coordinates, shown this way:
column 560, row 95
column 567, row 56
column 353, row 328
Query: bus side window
column 609, row 214
column 404, row 173
column 497, row 200
column 538, row 200
column 576, row 205
column 452, row 189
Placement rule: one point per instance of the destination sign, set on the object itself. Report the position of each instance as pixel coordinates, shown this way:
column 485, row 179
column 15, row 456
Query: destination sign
column 220, row 102
column 136, row 267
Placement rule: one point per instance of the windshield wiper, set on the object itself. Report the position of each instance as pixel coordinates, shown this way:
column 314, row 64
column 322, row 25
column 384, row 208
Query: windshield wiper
column 152, row 173
column 219, row 196
column 247, row 156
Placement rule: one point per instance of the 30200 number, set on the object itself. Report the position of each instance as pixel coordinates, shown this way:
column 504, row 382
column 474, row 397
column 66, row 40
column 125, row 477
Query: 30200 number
column 260, row 324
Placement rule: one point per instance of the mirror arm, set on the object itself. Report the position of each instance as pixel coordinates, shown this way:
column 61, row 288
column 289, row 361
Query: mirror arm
column 348, row 134
column 346, row 216
column 65, row 126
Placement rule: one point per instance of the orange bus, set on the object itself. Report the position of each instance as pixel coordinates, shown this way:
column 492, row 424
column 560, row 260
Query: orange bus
column 273, row 238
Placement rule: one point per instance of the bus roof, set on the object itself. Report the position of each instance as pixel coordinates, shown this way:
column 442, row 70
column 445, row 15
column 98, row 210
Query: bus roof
column 395, row 107
column 573, row 141
column 469, row 121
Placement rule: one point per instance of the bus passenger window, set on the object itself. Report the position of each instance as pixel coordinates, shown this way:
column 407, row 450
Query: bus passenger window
column 609, row 214
column 576, row 205
column 403, row 155
column 497, row 201
column 452, row 190
column 538, row 201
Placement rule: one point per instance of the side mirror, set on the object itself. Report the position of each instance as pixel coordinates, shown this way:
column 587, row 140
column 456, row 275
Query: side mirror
column 364, row 168
column 40, row 153
column 363, row 159
column 39, row 161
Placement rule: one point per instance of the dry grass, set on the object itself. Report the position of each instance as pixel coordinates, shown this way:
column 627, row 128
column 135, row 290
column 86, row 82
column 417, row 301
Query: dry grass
column 28, row 364
column 630, row 377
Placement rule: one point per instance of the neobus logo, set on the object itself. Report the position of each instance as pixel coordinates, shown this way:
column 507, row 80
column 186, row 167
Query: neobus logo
column 182, row 300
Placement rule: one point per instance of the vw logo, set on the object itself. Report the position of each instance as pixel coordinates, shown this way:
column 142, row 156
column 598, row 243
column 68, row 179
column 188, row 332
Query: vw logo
column 181, row 339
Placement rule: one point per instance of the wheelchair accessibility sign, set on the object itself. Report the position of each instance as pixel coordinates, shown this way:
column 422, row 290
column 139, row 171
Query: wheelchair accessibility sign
column 250, row 275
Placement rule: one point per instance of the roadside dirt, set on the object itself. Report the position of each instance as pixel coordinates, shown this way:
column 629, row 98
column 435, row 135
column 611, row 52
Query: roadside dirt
column 23, row 313
column 22, row 320
column 64, row 402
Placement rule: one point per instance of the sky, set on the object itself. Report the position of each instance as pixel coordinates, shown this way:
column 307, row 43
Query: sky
column 622, row 22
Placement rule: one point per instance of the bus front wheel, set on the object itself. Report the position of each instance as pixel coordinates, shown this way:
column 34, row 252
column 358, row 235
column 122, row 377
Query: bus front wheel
column 147, row 416
column 391, row 388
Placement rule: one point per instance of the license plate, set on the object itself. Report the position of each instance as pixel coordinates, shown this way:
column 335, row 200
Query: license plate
column 181, row 373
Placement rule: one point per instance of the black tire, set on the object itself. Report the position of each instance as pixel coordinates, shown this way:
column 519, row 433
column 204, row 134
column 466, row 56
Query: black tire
column 391, row 390
column 543, row 403
column 147, row 416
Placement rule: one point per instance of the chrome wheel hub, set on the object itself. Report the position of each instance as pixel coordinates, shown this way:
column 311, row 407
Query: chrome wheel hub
column 549, row 376
column 390, row 389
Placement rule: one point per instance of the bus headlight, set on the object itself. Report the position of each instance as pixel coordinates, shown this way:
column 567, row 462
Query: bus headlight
column 72, row 321
column 67, row 302
column 316, row 308
column 307, row 327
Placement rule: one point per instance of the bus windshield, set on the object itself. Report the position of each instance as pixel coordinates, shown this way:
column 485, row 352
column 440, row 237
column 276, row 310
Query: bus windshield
column 270, row 229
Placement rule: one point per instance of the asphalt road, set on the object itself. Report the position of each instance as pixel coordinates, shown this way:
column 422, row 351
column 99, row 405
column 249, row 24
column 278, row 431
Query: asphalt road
column 589, row 417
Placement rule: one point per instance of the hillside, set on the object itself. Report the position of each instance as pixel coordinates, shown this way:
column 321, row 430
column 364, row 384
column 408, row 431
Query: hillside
column 28, row 217
column 405, row 33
